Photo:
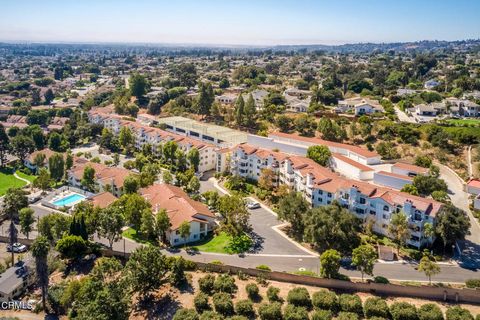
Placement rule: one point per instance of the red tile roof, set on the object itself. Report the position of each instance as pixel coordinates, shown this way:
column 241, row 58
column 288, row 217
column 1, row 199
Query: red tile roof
column 180, row 207
column 102, row 200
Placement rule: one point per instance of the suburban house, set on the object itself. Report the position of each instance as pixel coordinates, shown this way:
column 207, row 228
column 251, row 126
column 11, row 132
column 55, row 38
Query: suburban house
column 320, row 186
column 106, row 178
column 473, row 188
column 463, row 107
column 258, row 96
column 431, row 84
column 16, row 279
column 359, row 106
column 430, row 110
column 297, row 100
column 57, row 123
column 30, row 160
column 226, row 98
column 180, row 208
column 15, row 121
column 405, row 92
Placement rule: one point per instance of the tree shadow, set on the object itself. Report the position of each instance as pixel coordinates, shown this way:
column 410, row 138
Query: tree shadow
column 470, row 256
column 258, row 241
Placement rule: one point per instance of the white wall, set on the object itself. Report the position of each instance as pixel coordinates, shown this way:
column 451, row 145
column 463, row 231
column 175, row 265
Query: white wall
column 389, row 181
column 349, row 170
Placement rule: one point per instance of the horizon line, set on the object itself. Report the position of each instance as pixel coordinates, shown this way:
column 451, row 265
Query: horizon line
column 225, row 45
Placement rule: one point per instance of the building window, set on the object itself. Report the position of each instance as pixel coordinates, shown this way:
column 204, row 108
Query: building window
column 359, row 211
column 362, row 201
column 372, row 212
column 320, row 192
column 319, row 199
column 175, row 241
column 329, row 194
column 385, row 208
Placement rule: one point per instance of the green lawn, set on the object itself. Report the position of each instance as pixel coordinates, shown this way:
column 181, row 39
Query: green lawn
column 132, row 234
column 464, row 122
column 30, row 178
column 216, row 244
column 7, row 180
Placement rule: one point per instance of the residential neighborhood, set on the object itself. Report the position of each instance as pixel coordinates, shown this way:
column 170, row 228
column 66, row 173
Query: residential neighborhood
column 240, row 160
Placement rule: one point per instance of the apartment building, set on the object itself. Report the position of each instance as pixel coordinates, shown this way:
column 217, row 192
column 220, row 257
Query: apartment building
column 321, row 186
column 296, row 144
column 217, row 135
column 155, row 137
column 180, row 208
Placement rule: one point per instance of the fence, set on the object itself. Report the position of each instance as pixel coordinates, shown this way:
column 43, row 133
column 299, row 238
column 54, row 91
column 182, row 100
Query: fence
column 425, row 292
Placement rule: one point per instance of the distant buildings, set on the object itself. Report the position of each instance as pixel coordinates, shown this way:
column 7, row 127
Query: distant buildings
column 431, row 84
column 359, row 106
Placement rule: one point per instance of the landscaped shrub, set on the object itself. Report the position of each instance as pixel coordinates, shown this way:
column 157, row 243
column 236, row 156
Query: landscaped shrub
column 244, row 308
column 223, row 303
column 458, row 313
column 326, row 300
column 403, row 311
column 322, row 315
column 430, row 311
column 201, row 302
column 378, row 318
column 375, row 307
column 206, row 283
column 236, row 318
column 252, row 291
column 211, row 315
column 299, row 297
column 270, row 311
column 273, row 294
column 225, row 283
column 473, row 283
column 185, row 314
column 292, row 312
column 350, row 303
column 380, row 279
column 347, row 316
column 264, row 267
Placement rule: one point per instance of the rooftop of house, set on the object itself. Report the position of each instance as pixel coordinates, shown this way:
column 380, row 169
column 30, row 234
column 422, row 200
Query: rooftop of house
column 12, row 278
column 179, row 206
column 474, row 183
column 102, row 200
column 411, row 167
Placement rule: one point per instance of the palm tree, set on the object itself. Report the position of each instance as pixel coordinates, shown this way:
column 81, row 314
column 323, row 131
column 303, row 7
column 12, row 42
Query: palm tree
column 40, row 248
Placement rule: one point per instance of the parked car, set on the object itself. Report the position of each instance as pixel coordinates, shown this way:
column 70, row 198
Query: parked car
column 253, row 205
column 17, row 247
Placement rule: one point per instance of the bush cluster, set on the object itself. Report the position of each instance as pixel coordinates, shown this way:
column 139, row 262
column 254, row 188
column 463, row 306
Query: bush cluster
column 299, row 297
column 350, row 303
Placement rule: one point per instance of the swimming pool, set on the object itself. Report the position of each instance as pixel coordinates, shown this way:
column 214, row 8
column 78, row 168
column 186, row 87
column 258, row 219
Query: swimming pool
column 69, row 200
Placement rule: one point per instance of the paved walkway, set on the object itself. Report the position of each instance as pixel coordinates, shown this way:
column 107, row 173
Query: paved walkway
column 20, row 178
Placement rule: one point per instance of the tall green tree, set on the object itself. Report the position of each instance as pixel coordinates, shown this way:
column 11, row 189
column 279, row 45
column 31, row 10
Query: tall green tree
column 110, row 224
column 56, row 165
column 236, row 216
column 364, row 258
column 138, row 85
column 14, row 200
column 184, row 231
column 27, row 218
column 88, row 178
column 162, row 224
column 40, row 249
column 332, row 227
column 452, row 224
column 49, row 96
column 4, row 145
column 126, row 139
column 250, row 111
column 193, row 157
column 330, row 264
column 398, row 229
column 293, row 208
column 22, row 146
column 205, row 99
column 239, row 110
column 429, row 267
column 146, row 270
column 319, row 154
column 43, row 180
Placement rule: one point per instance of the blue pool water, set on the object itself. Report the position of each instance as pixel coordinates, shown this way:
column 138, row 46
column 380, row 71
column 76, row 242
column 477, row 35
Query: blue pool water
column 66, row 201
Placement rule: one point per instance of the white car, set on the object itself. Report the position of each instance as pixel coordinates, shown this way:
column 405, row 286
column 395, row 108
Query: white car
column 17, row 247
column 253, row 205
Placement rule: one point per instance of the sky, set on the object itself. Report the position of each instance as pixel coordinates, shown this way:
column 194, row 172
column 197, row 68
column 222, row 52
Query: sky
column 245, row 22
